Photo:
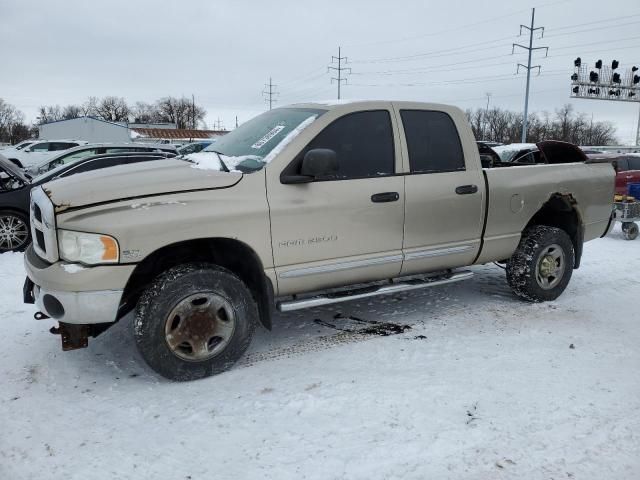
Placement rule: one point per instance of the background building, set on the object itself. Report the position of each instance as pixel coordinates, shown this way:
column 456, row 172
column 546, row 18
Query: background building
column 96, row 130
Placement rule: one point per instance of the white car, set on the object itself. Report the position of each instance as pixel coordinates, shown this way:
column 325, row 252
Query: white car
column 26, row 156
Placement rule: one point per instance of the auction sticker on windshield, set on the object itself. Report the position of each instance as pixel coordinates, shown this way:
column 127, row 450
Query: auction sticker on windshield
column 270, row 134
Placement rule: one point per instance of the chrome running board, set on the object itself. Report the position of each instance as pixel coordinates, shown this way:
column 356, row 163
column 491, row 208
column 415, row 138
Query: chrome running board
column 365, row 292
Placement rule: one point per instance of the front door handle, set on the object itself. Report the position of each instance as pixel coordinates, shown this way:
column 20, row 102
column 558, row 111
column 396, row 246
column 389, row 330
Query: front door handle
column 385, row 197
column 466, row 189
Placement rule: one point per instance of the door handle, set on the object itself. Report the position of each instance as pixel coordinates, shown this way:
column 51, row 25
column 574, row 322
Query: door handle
column 466, row 189
column 385, row 197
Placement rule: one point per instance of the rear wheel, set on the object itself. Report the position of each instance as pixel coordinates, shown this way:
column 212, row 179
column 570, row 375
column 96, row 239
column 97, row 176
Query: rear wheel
column 194, row 321
column 630, row 230
column 14, row 231
column 541, row 267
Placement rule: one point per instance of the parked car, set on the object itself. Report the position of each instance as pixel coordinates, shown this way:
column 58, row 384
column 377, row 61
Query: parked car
column 17, row 146
column 519, row 153
column 39, row 151
column 73, row 154
column 194, row 147
column 489, row 143
column 15, row 186
column 627, row 167
column 307, row 205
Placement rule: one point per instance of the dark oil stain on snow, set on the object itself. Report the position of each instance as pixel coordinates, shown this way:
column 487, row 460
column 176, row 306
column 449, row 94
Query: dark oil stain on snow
column 371, row 327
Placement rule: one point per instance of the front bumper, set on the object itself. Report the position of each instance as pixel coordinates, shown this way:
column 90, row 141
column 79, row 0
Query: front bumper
column 75, row 295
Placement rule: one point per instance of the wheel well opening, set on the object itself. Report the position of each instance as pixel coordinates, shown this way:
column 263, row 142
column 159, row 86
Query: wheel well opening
column 561, row 211
column 231, row 254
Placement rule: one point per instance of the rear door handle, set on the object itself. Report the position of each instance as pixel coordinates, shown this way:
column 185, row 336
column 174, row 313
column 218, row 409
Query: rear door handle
column 466, row 189
column 385, row 197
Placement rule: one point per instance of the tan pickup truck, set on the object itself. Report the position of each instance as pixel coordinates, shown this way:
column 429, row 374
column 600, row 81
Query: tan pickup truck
column 301, row 206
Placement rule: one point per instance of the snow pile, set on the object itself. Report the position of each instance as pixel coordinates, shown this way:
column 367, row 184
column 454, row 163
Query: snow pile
column 72, row 267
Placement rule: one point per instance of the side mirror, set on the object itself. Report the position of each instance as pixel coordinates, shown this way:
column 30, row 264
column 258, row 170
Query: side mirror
column 615, row 165
column 317, row 163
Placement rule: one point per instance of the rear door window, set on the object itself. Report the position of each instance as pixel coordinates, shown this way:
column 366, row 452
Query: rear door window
column 634, row 163
column 433, row 142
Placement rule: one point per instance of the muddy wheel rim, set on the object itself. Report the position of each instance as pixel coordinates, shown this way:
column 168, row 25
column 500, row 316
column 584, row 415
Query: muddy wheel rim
column 14, row 232
column 550, row 266
column 200, row 326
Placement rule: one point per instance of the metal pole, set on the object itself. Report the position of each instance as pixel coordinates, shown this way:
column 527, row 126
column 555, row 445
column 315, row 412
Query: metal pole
column 526, row 97
column 339, row 71
column 486, row 114
column 270, row 92
column 638, row 131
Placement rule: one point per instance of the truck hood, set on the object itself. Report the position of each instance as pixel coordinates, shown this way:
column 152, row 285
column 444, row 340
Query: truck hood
column 136, row 180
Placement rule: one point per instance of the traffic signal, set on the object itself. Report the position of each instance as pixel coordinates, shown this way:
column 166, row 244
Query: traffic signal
column 593, row 76
column 614, row 92
column 632, row 94
column 599, row 64
column 574, row 77
column 636, row 79
column 634, row 69
column 575, row 89
column 616, row 78
column 594, row 91
column 614, row 64
column 577, row 62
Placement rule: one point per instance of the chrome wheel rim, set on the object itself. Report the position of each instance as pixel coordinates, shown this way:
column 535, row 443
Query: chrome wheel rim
column 14, row 232
column 200, row 327
column 550, row 266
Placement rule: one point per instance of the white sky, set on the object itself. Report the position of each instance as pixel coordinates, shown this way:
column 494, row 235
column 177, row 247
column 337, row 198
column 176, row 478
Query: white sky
column 223, row 52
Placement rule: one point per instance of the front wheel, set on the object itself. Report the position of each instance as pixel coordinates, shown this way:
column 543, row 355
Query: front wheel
column 541, row 267
column 194, row 321
column 14, row 231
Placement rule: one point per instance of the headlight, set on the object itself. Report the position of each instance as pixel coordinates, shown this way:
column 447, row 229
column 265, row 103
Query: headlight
column 89, row 248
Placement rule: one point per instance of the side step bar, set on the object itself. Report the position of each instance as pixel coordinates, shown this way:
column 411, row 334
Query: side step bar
column 290, row 305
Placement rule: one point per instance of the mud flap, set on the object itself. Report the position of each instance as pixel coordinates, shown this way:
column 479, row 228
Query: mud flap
column 72, row 336
column 27, row 291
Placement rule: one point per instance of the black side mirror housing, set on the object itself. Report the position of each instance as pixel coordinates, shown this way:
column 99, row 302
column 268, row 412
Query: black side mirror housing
column 317, row 164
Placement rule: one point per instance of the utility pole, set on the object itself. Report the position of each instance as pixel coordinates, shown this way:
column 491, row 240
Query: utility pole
column 217, row 125
column 269, row 93
column 486, row 115
column 339, row 69
column 236, row 121
column 528, row 66
column 193, row 112
column 638, row 131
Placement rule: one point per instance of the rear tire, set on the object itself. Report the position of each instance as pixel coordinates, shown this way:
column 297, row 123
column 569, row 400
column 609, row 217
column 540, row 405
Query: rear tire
column 195, row 320
column 630, row 230
column 541, row 267
column 15, row 234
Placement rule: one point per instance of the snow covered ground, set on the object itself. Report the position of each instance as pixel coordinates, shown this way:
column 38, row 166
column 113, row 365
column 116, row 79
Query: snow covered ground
column 483, row 386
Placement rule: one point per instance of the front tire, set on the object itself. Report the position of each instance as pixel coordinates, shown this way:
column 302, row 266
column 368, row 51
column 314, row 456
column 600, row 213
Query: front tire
column 541, row 267
column 194, row 321
column 15, row 234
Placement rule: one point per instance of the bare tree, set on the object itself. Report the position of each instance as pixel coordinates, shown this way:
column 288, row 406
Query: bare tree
column 71, row 111
column 12, row 126
column 143, row 112
column 90, row 107
column 180, row 111
column 50, row 113
column 114, row 109
column 505, row 126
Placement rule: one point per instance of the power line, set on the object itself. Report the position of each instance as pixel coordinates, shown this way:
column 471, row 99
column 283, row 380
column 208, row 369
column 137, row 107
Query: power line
column 269, row 93
column 339, row 69
column 528, row 66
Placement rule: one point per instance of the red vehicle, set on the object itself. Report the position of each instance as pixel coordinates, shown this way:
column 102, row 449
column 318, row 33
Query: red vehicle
column 627, row 169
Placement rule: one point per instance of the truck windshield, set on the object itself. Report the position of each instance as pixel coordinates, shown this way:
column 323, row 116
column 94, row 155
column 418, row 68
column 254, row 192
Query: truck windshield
column 255, row 143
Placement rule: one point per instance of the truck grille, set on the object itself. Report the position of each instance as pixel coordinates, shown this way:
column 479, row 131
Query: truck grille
column 43, row 226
